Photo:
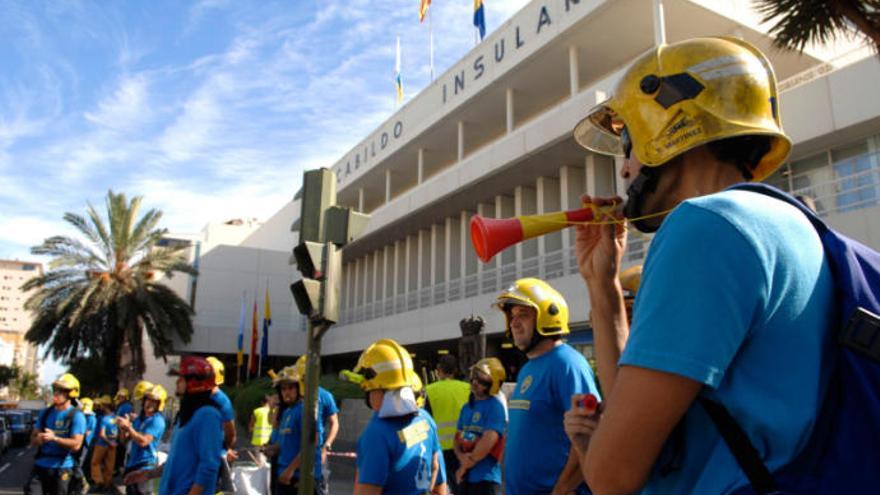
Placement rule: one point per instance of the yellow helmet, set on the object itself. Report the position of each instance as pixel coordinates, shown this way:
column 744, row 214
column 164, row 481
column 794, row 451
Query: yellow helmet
column 105, row 400
column 157, row 392
column 141, row 388
column 677, row 97
column 492, row 368
column 122, row 392
column 385, row 365
column 551, row 306
column 219, row 370
column 67, row 381
column 419, row 390
column 630, row 279
column 288, row 374
column 88, row 405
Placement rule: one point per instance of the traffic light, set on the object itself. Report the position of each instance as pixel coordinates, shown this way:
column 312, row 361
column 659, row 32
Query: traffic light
column 324, row 229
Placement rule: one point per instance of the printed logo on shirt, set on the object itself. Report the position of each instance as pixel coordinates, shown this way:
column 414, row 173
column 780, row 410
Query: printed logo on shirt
column 527, row 382
column 476, row 417
column 414, row 433
column 520, row 404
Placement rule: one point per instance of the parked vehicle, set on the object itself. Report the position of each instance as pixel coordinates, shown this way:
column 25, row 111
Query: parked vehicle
column 5, row 435
column 20, row 426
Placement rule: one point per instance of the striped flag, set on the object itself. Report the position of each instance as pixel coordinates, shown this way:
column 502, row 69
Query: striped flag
column 267, row 322
column 423, row 9
column 252, row 360
column 240, row 357
column 398, row 82
column 480, row 18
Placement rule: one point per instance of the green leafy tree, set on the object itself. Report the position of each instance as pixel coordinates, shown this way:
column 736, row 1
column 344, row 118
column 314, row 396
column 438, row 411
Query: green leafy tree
column 101, row 296
column 798, row 22
column 26, row 386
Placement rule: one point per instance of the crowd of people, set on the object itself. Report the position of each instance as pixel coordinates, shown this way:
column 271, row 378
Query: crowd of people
column 732, row 278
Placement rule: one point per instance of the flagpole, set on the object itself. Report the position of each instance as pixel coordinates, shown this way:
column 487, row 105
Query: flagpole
column 260, row 361
column 431, row 43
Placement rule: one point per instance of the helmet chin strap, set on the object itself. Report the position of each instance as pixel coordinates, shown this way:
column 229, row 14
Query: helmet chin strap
column 536, row 339
column 645, row 183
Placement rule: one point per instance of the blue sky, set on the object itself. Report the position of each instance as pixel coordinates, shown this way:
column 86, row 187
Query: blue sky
column 211, row 110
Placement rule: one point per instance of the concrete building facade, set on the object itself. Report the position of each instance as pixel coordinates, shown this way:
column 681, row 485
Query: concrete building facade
column 493, row 136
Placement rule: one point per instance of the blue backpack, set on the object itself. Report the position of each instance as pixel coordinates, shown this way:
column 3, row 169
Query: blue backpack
column 843, row 453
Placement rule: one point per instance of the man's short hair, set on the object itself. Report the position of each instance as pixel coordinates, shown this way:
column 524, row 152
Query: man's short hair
column 448, row 364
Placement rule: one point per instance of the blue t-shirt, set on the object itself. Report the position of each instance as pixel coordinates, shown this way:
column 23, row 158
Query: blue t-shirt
column 195, row 454
column 326, row 405
column 146, row 456
column 397, row 454
column 749, row 318
column 124, row 409
column 53, row 455
column 227, row 413
column 476, row 418
column 91, row 424
column 535, row 432
column 288, row 436
column 108, row 426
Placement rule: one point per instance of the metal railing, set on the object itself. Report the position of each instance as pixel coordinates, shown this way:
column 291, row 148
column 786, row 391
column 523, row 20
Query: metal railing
column 856, row 186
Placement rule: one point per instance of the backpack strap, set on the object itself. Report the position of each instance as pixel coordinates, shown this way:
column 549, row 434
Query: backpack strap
column 773, row 192
column 741, row 447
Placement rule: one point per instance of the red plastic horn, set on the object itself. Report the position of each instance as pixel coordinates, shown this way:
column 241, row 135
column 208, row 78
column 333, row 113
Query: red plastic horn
column 491, row 236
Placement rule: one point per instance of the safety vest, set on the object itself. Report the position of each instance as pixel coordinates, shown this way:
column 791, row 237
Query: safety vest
column 262, row 427
column 446, row 398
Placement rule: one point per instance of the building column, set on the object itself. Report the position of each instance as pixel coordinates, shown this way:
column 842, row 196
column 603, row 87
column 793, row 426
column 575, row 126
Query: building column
column 407, row 281
column 659, row 23
column 571, row 187
column 366, row 284
column 548, row 200
column 468, row 257
column 395, row 287
column 377, row 280
column 387, row 185
column 361, row 199
column 508, row 99
column 386, row 274
column 447, row 251
column 574, row 75
column 421, row 166
column 524, row 204
column 599, row 175
column 357, row 283
column 460, row 140
column 504, row 208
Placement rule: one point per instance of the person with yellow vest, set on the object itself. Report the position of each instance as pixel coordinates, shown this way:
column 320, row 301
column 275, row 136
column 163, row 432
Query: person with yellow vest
column 445, row 399
column 260, row 427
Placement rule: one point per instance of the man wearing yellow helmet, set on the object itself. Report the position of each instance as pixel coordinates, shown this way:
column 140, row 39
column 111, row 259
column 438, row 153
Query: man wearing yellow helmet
column 481, row 426
column 227, row 412
column 536, row 318
column 106, row 446
column 735, row 286
column 58, row 433
column 286, row 439
column 399, row 450
column 144, row 433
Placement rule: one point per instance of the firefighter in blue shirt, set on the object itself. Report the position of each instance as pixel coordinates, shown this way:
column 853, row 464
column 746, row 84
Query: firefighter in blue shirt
column 399, row 451
column 479, row 439
column 194, row 460
column 539, row 457
column 58, row 434
column 287, row 438
column 144, row 433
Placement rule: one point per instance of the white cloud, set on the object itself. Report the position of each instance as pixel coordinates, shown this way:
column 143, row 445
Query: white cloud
column 126, row 107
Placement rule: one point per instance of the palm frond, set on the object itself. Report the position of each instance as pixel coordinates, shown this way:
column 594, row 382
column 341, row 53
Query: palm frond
column 106, row 243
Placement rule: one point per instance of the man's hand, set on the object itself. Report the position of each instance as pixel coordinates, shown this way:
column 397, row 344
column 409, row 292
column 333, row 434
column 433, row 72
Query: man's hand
column 286, row 476
column 323, row 455
column 46, row 436
column 599, row 248
column 460, row 474
column 580, row 424
column 231, row 456
column 136, row 477
column 467, row 461
column 123, row 423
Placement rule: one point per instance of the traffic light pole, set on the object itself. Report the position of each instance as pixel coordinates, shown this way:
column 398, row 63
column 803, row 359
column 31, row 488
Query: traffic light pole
column 324, row 229
column 309, row 444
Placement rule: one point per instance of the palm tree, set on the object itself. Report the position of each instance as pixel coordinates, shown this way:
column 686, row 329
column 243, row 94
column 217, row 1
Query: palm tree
column 800, row 21
column 101, row 296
